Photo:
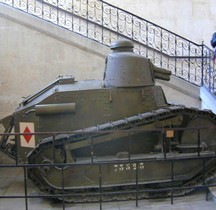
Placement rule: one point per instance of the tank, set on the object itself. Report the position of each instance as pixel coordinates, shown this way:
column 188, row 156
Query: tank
column 116, row 134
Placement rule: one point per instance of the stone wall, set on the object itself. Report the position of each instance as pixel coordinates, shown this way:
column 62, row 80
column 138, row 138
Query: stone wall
column 33, row 53
column 193, row 19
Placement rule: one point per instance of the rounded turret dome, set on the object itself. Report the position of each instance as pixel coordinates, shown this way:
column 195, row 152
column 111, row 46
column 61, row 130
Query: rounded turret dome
column 122, row 45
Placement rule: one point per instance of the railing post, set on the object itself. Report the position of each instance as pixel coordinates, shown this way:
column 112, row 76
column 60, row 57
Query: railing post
column 189, row 63
column 175, row 50
column 137, row 185
column 16, row 150
column 198, row 144
column 204, row 168
column 63, row 189
column 102, row 22
column 165, row 142
column 100, row 185
column 172, row 179
column 92, row 150
column 202, row 65
column 25, row 186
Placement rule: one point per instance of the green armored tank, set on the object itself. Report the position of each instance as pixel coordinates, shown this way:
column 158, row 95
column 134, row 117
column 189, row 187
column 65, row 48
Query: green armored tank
column 114, row 134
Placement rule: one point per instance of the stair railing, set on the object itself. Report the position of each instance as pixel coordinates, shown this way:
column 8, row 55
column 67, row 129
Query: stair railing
column 105, row 23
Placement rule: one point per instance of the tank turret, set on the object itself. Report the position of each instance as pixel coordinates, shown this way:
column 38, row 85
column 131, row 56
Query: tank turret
column 127, row 69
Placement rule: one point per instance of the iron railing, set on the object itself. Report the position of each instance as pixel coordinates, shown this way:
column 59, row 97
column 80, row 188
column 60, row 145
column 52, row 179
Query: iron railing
column 105, row 23
column 125, row 164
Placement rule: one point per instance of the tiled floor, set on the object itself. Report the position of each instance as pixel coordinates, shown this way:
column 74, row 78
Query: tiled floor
column 12, row 184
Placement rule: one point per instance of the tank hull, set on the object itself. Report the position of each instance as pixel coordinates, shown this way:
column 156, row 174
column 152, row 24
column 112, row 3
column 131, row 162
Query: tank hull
column 111, row 136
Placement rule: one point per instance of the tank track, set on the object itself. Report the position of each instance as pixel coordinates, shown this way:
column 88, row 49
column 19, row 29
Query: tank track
column 134, row 122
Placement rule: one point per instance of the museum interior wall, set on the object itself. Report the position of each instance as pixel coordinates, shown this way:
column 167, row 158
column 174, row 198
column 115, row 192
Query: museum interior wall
column 34, row 52
column 193, row 19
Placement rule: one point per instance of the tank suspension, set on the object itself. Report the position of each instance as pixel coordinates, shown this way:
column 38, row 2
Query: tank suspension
column 83, row 174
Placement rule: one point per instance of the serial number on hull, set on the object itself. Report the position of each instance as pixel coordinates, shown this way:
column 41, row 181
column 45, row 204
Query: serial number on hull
column 128, row 167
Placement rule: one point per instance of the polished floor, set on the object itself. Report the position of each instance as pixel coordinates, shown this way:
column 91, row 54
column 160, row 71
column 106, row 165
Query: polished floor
column 12, row 184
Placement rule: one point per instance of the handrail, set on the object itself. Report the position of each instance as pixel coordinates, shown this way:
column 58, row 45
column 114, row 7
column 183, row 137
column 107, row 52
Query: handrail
column 151, row 23
column 105, row 23
column 135, row 166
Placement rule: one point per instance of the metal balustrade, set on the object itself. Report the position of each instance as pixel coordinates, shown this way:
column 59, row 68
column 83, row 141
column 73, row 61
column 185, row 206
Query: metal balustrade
column 137, row 165
column 105, row 23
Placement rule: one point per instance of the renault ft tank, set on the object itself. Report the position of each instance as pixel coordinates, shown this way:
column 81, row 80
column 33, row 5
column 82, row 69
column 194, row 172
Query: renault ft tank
column 114, row 135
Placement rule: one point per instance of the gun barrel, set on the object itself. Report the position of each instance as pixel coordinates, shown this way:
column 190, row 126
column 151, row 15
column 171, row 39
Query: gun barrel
column 161, row 73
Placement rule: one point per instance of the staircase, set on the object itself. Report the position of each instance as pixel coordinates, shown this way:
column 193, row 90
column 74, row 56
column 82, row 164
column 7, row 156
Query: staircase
column 105, row 23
